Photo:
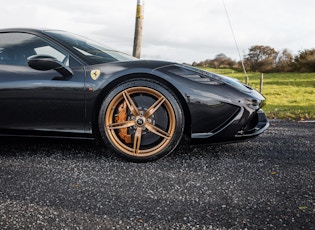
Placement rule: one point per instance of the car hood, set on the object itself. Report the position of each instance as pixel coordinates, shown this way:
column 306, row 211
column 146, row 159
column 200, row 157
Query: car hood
column 137, row 66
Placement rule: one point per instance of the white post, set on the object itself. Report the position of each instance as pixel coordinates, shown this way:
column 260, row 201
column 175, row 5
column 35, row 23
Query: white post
column 261, row 82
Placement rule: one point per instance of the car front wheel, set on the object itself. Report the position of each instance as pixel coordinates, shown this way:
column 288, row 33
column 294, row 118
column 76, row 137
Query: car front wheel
column 142, row 120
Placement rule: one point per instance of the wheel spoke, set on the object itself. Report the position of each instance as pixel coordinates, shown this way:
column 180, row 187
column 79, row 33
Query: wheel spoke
column 154, row 107
column 137, row 141
column 158, row 131
column 131, row 105
column 121, row 125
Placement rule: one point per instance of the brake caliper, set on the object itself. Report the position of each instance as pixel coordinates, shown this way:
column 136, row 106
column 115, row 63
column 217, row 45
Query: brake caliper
column 121, row 117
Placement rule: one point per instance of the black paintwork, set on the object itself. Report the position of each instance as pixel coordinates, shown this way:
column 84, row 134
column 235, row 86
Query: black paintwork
column 34, row 102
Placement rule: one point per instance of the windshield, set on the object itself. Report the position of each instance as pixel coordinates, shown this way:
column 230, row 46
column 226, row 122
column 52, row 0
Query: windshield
column 90, row 51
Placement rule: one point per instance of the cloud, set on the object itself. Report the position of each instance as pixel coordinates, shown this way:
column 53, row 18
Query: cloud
column 177, row 30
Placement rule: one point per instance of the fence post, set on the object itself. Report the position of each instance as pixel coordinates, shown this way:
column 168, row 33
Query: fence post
column 261, row 82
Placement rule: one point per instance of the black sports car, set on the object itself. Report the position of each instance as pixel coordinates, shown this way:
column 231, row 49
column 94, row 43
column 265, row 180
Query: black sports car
column 54, row 83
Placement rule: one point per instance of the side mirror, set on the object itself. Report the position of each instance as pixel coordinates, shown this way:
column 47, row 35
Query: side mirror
column 45, row 62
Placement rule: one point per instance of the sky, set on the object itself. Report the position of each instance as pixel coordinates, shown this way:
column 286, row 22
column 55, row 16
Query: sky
column 175, row 30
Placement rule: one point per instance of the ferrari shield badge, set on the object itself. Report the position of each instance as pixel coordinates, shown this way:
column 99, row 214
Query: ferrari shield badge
column 95, row 73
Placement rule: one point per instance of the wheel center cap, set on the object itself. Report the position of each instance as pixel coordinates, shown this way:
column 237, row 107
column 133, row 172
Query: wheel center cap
column 140, row 122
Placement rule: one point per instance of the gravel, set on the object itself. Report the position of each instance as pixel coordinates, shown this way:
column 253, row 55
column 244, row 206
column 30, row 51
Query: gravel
column 264, row 183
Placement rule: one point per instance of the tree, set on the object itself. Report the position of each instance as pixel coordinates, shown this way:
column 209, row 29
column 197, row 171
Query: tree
column 305, row 61
column 284, row 61
column 220, row 61
column 261, row 58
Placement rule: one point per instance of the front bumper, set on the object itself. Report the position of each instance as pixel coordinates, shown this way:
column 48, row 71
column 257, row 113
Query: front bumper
column 236, row 130
column 261, row 123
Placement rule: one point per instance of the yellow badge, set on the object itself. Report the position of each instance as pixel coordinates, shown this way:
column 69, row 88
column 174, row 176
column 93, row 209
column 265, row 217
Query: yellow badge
column 95, row 73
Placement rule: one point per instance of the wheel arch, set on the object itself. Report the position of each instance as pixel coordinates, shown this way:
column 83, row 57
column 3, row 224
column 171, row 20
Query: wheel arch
column 107, row 89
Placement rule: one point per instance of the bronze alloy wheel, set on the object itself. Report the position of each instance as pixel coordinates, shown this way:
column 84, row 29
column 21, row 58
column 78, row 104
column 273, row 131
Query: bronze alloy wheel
column 141, row 122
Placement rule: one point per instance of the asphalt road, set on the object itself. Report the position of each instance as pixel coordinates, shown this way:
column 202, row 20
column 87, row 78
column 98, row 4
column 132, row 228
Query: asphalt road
column 265, row 183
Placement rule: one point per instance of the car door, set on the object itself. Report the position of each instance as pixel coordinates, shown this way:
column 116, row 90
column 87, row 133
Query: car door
column 38, row 100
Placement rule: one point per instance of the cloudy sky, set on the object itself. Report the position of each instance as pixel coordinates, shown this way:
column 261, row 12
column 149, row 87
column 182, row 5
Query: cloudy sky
column 174, row 30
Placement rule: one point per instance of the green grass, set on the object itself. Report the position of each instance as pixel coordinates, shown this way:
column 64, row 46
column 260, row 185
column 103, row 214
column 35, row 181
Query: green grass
column 289, row 95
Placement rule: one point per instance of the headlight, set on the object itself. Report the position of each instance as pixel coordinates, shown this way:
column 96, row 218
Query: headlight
column 254, row 104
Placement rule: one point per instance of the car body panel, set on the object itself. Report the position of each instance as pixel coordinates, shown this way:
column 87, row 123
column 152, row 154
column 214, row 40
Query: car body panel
column 37, row 100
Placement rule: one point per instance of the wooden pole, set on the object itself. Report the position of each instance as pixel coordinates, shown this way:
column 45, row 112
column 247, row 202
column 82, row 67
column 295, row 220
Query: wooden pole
column 138, row 29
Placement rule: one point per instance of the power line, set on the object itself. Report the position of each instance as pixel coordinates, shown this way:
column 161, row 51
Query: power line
column 238, row 50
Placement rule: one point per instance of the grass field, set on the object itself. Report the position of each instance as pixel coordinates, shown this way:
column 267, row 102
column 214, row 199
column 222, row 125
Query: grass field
column 289, row 95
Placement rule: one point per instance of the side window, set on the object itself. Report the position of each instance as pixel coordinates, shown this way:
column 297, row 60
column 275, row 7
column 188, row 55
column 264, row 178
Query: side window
column 48, row 50
column 15, row 48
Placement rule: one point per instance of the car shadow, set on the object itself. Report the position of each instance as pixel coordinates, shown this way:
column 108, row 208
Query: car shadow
column 26, row 146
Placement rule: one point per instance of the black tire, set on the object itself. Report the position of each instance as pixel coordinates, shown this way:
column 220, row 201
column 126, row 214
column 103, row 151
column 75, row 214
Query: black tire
column 141, row 120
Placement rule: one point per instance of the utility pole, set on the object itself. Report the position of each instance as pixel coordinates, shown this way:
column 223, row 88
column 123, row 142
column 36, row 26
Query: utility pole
column 138, row 30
